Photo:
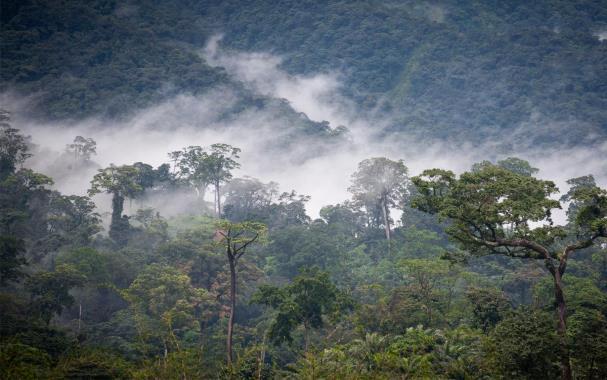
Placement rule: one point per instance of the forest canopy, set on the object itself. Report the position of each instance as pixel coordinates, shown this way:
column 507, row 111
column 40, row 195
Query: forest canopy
column 474, row 281
column 225, row 189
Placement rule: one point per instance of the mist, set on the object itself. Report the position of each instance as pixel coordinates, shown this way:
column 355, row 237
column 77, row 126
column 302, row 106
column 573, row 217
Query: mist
column 269, row 151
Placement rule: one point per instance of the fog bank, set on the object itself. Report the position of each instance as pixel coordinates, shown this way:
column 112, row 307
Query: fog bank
column 324, row 174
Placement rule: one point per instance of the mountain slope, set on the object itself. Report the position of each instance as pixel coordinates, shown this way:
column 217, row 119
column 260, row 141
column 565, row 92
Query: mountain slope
column 473, row 69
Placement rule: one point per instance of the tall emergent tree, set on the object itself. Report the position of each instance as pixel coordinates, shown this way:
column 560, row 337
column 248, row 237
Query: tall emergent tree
column 491, row 211
column 190, row 169
column 199, row 167
column 378, row 185
column 236, row 238
column 219, row 162
column 121, row 182
column 14, row 148
column 82, row 148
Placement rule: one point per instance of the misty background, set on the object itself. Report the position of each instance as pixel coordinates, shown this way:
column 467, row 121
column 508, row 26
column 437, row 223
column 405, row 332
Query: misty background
column 283, row 105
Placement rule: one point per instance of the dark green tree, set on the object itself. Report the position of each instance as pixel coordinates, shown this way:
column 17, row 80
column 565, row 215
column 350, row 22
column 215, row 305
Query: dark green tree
column 12, row 251
column 491, row 211
column 14, row 147
column 121, row 182
column 522, row 346
column 310, row 297
column 488, row 307
column 50, row 291
column 72, row 219
column 513, row 164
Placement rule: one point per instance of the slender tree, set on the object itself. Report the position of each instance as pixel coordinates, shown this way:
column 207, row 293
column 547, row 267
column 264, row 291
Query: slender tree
column 199, row 167
column 235, row 238
column 491, row 211
column 219, row 162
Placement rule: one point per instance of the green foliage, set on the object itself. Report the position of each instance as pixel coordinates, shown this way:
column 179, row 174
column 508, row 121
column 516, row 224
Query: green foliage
column 14, row 147
column 76, row 305
column 200, row 167
column 588, row 207
column 522, row 346
column 165, row 304
column 93, row 364
column 488, row 307
column 20, row 361
column 73, row 219
column 117, row 180
column 588, row 341
column 240, row 235
column 184, row 364
column 305, row 301
column 122, row 182
column 101, row 270
column 418, row 354
column 467, row 70
column 82, row 148
column 378, row 185
column 447, row 68
column 11, row 259
column 489, row 207
column 428, row 292
column 50, row 290
column 97, row 57
column 252, row 365
column 518, row 166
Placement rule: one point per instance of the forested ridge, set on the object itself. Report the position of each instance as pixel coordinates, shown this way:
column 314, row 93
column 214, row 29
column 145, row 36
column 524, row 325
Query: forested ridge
column 476, row 69
column 472, row 281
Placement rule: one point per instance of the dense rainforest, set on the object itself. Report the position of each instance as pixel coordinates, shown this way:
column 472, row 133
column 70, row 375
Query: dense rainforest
column 189, row 263
column 473, row 282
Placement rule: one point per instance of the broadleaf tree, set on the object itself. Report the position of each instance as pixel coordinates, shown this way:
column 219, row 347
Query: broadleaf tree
column 378, row 185
column 121, row 182
column 494, row 210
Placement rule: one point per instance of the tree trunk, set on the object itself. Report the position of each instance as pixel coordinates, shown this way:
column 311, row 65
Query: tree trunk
column 232, row 306
column 79, row 315
column 118, row 226
column 117, row 208
column 385, row 212
column 203, row 325
column 262, row 356
column 561, row 309
column 306, row 337
column 218, row 196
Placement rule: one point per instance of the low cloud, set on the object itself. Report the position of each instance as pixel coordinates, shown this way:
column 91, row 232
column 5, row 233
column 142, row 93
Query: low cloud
column 324, row 174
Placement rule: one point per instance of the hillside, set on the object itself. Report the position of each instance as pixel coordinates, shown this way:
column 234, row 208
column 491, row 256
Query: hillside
column 478, row 68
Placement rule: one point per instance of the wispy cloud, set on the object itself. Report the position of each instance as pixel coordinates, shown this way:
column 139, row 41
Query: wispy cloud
column 196, row 120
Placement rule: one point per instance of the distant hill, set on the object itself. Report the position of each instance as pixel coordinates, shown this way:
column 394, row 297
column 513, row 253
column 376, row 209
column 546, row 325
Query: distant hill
column 81, row 58
column 471, row 68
